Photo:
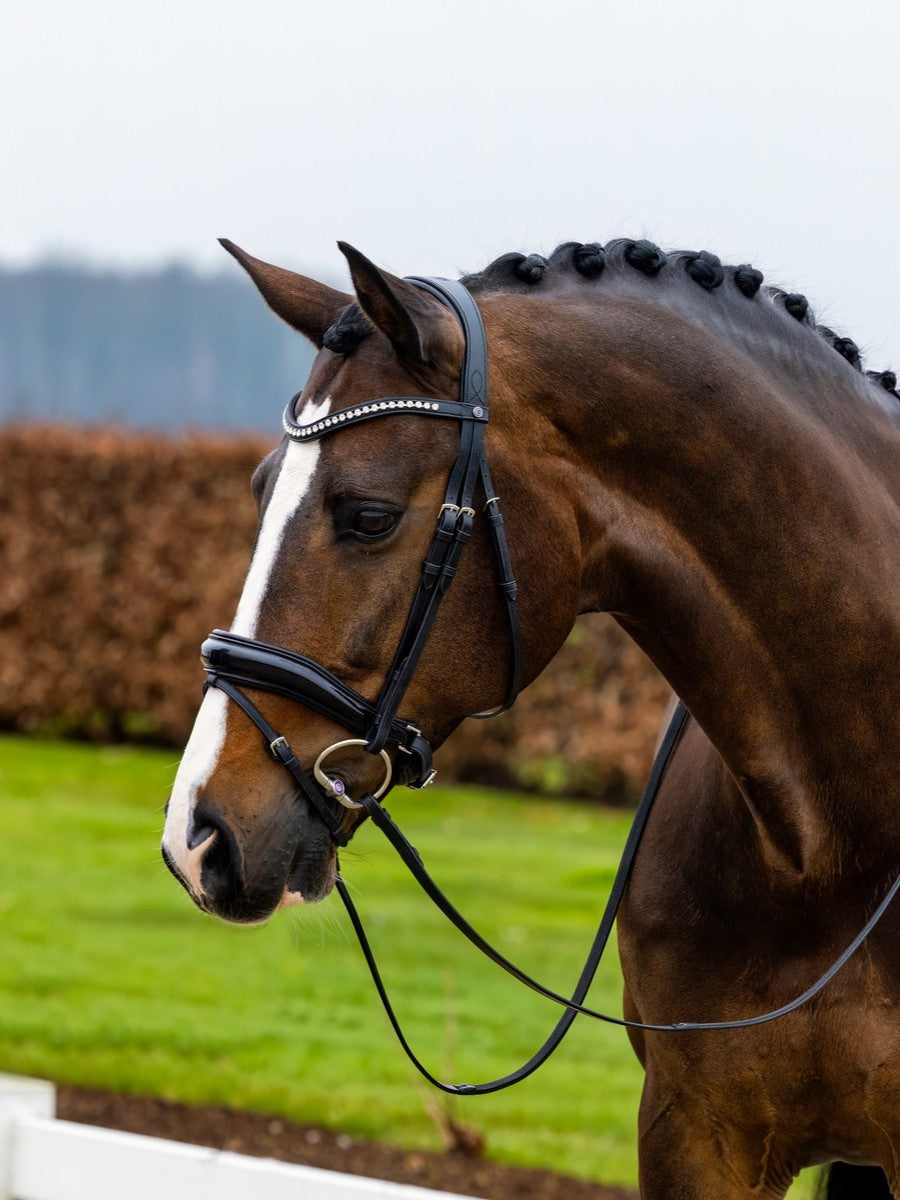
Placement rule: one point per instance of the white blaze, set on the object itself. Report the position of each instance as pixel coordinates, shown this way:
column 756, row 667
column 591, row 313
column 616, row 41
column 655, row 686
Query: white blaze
column 208, row 735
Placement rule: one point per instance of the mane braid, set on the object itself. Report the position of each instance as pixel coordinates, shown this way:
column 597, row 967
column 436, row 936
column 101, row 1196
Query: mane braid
column 518, row 272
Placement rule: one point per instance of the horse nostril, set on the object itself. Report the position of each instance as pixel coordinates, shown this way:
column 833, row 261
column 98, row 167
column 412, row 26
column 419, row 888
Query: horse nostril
column 222, row 865
column 198, row 834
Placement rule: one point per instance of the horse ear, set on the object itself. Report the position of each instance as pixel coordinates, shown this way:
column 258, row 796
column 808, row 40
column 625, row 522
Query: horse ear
column 308, row 306
column 394, row 305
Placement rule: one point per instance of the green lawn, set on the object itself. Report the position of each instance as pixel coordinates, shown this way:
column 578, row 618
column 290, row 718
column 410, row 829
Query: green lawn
column 110, row 977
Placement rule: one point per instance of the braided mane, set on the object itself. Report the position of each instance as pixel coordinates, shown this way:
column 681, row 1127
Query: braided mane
column 520, row 272
column 516, row 272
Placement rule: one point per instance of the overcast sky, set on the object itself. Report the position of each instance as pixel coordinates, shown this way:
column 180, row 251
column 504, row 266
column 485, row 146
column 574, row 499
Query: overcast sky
column 435, row 135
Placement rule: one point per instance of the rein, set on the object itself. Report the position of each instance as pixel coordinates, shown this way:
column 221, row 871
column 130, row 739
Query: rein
column 232, row 662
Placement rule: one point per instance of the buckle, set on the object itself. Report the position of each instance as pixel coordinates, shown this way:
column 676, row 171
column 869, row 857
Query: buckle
column 455, row 508
column 415, row 732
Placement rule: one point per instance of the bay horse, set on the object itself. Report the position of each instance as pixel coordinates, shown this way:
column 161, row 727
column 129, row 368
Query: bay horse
column 684, row 448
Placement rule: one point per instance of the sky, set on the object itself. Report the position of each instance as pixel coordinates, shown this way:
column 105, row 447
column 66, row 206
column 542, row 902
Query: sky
column 435, row 135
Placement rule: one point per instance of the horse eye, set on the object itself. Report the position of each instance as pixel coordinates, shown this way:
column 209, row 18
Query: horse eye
column 373, row 522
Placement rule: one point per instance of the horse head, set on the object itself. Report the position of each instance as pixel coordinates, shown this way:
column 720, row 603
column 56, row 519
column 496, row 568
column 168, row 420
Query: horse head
column 344, row 524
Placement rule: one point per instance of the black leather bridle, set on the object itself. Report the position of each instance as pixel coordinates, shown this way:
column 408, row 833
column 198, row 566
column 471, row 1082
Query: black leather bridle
column 232, row 662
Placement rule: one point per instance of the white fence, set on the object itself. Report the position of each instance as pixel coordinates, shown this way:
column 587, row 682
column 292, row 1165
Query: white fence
column 42, row 1158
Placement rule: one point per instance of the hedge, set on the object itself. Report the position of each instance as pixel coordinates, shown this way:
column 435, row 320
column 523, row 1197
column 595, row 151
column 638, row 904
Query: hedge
column 120, row 551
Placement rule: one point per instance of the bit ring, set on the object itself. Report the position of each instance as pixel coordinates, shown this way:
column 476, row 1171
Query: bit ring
column 331, row 785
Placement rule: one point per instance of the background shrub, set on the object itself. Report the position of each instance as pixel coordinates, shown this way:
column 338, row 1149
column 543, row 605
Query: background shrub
column 120, row 551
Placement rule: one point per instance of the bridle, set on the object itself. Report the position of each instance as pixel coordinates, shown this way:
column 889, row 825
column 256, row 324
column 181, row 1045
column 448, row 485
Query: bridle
column 233, row 662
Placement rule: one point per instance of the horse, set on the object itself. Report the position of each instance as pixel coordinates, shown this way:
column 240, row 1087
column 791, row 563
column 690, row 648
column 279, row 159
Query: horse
column 682, row 446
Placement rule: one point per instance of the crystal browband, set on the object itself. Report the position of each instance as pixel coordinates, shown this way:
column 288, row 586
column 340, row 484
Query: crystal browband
column 422, row 406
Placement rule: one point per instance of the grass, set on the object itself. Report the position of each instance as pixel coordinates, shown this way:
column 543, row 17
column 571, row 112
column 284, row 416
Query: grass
column 109, row 977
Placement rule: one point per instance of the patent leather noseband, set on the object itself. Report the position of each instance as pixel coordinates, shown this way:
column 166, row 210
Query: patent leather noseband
column 232, row 663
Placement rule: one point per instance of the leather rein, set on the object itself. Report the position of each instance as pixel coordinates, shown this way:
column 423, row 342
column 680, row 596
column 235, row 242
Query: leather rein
column 232, row 662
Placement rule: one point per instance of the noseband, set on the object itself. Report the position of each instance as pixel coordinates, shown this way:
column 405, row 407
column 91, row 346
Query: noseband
column 232, row 662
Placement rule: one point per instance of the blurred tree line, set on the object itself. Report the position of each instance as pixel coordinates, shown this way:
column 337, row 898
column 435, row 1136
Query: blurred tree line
column 165, row 349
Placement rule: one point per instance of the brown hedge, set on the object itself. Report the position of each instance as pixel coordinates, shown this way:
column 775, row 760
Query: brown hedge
column 120, row 551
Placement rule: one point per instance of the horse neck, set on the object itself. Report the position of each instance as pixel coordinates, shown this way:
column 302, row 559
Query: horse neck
column 747, row 547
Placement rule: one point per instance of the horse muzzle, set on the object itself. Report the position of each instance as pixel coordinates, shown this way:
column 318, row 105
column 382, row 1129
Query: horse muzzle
column 244, row 876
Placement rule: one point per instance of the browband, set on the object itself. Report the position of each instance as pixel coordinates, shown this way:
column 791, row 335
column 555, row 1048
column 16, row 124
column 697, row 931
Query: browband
column 425, row 406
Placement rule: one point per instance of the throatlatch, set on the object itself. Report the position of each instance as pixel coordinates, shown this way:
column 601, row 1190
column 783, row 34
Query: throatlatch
column 232, row 662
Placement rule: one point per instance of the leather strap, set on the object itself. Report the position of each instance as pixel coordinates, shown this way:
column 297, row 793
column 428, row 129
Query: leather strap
column 456, row 516
column 508, row 589
column 419, row 406
column 277, row 747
